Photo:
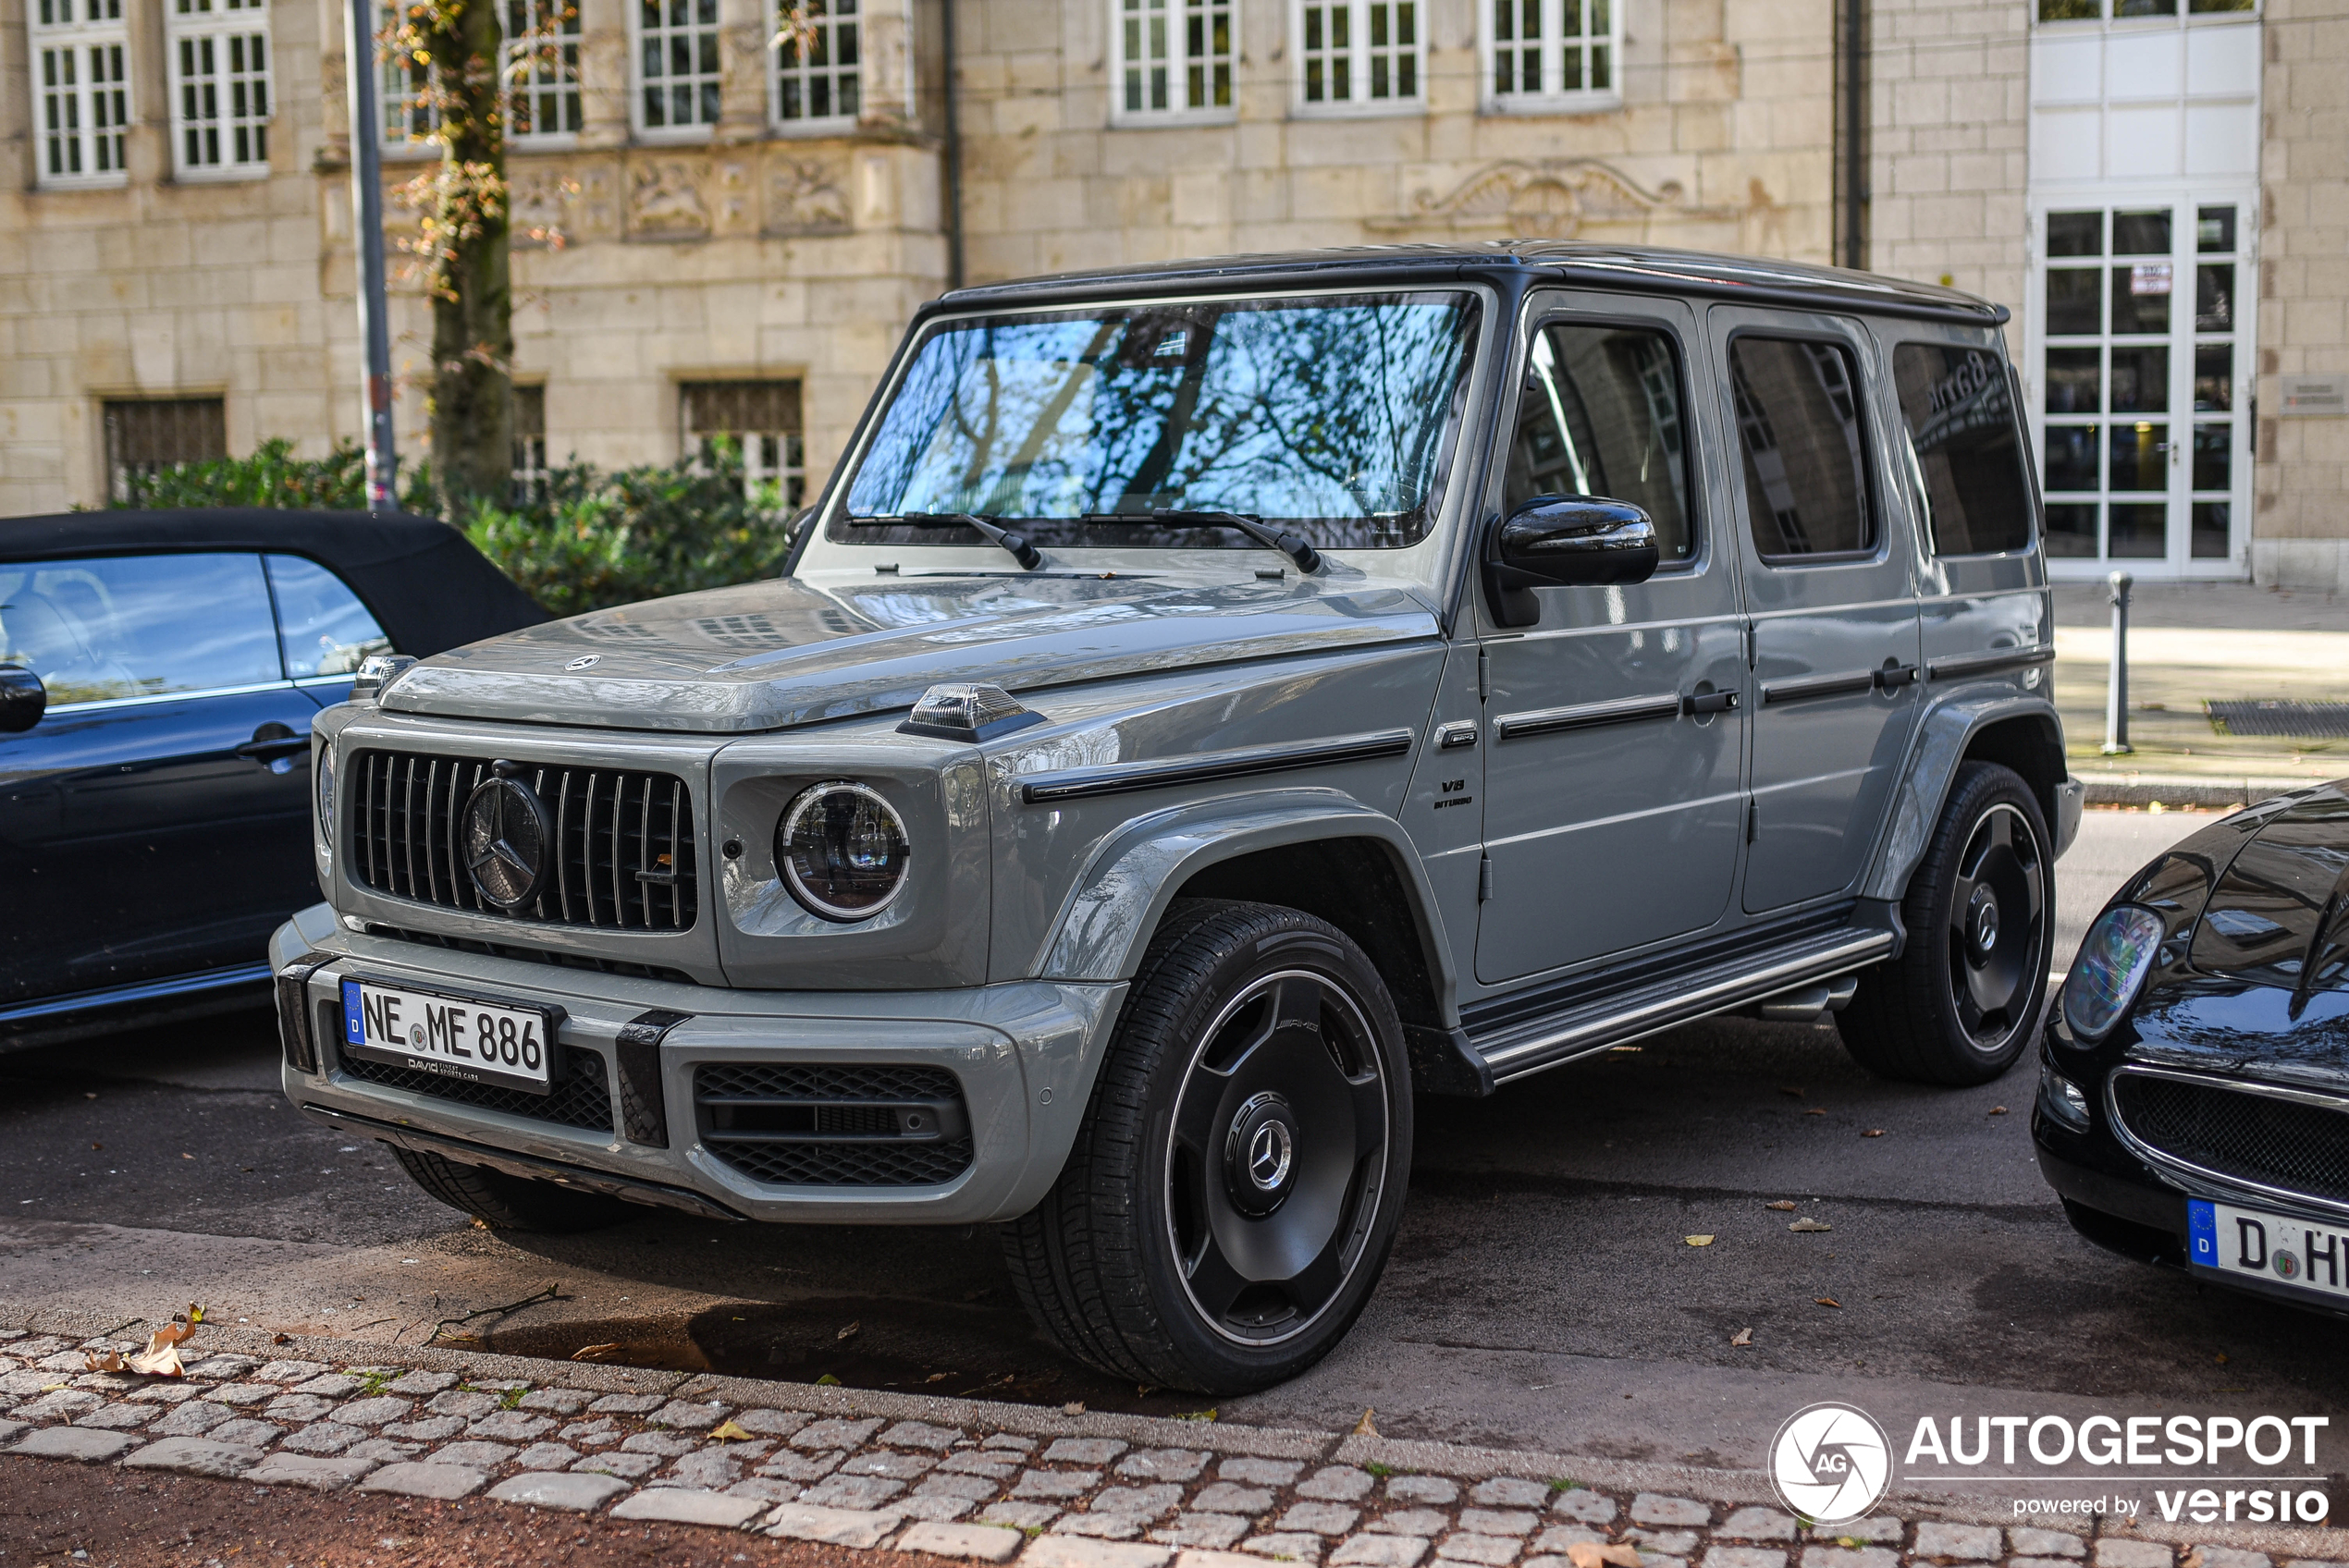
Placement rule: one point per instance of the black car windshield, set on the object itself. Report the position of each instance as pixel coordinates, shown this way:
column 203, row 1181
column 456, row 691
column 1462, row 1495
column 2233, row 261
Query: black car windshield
column 1335, row 415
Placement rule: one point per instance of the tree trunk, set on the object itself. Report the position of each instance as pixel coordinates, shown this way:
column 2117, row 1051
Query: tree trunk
column 466, row 233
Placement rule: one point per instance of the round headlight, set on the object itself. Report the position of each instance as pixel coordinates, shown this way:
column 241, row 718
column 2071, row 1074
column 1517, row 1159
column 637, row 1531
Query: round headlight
column 327, row 801
column 842, row 850
column 2115, row 957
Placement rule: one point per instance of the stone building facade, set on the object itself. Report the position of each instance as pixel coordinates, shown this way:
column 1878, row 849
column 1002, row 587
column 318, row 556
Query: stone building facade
column 725, row 230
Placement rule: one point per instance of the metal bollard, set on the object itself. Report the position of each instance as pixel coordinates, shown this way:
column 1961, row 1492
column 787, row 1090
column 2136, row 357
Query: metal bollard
column 2116, row 691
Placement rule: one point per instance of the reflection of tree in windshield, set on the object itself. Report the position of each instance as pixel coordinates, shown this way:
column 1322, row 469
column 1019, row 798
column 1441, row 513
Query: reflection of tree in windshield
column 1334, row 413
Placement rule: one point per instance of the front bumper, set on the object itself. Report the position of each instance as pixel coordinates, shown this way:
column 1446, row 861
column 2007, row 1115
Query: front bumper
column 1022, row 1054
column 2069, row 796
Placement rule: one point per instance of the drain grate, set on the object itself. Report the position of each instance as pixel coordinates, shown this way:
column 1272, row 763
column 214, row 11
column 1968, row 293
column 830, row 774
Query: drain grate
column 2309, row 721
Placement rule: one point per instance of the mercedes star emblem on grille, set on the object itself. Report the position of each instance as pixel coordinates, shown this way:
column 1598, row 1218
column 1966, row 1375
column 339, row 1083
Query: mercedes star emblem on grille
column 507, row 839
column 585, row 661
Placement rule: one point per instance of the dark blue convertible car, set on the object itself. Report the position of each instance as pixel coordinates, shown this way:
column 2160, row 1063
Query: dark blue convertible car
column 158, row 674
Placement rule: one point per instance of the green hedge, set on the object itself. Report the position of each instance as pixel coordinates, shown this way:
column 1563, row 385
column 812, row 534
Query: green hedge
column 592, row 539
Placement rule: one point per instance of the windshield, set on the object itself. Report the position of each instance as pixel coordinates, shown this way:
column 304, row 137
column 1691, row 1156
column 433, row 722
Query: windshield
column 1335, row 415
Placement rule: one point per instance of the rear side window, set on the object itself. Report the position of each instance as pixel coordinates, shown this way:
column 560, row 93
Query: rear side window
column 324, row 628
column 1600, row 414
column 138, row 626
column 1806, row 488
column 1961, row 416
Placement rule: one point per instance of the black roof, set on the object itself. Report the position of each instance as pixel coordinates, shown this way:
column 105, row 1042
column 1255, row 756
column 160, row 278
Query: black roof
column 425, row 585
column 1647, row 268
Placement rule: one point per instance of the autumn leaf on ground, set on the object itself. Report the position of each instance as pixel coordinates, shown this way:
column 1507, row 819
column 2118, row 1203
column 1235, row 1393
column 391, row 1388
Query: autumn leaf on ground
column 1698, row 1241
column 594, row 1352
column 1815, row 1110
column 1785, row 1090
column 1873, row 1132
column 852, row 1330
column 1827, row 1300
column 1591, row 1554
column 1809, row 1226
column 730, row 1432
column 1784, row 1206
column 1998, row 1110
column 160, row 1359
column 828, row 1381
column 1366, row 1426
column 1742, row 1338
column 1073, row 1407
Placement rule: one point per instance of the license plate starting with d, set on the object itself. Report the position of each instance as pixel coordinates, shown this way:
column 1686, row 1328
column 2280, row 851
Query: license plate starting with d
column 478, row 1042
column 2250, row 1242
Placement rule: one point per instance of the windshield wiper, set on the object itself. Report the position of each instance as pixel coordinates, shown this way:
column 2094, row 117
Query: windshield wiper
column 1022, row 551
column 1294, row 545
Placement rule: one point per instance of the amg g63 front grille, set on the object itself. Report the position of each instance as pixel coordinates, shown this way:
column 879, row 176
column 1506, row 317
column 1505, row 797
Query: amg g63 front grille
column 2277, row 1143
column 621, row 850
column 581, row 1098
column 844, row 1124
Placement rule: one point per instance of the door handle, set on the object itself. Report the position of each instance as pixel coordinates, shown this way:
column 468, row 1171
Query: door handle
column 1894, row 676
column 272, row 742
column 1708, row 702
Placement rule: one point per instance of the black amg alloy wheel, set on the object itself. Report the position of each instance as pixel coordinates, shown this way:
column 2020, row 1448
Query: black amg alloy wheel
column 1960, row 1003
column 1237, row 1180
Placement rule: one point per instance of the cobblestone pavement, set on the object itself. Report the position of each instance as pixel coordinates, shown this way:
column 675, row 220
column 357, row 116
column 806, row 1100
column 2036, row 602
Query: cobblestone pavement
column 981, row 1482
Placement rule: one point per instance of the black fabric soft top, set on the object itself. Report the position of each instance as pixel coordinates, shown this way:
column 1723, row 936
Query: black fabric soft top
column 425, row 585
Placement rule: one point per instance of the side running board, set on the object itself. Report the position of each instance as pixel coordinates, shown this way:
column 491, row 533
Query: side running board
column 1530, row 1045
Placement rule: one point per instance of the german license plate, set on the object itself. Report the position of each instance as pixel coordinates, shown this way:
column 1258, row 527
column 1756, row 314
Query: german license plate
column 2250, row 1242
column 478, row 1042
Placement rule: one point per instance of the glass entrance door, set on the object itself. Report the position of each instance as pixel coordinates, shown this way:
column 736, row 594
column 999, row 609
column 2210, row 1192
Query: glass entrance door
column 2140, row 340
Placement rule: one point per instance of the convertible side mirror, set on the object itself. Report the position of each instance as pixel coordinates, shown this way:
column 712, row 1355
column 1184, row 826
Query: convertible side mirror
column 22, row 699
column 1575, row 541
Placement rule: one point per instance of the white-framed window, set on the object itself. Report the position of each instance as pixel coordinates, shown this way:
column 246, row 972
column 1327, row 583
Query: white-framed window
column 529, row 445
column 542, row 71
column 82, row 82
column 1173, row 59
column 819, row 52
column 763, row 417
column 1547, row 54
column 220, row 107
column 1362, row 54
column 403, row 91
column 677, row 75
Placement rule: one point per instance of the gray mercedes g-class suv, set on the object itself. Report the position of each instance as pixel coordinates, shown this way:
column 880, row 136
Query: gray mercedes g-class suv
column 1210, row 705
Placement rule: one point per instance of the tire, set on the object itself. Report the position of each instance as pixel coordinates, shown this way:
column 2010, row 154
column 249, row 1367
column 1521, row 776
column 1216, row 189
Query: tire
column 1240, row 1171
column 509, row 1202
column 1952, row 1009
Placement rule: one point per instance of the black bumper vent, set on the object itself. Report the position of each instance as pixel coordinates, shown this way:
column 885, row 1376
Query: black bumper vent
column 582, row 1095
column 624, row 841
column 847, row 1124
column 535, row 955
column 2277, row 1143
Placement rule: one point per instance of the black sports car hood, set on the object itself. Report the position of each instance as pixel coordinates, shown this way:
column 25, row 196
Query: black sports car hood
column 2279, row 914
column 767, row 656
column 2264, row 985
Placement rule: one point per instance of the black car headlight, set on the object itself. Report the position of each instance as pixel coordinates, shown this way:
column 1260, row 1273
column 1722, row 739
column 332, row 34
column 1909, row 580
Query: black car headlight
column 842, row 852
column 2117, row 954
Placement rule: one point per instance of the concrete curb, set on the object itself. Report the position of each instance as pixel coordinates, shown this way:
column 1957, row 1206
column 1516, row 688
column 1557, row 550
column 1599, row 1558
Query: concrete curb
column 2220, row 791
column 1366, row 1452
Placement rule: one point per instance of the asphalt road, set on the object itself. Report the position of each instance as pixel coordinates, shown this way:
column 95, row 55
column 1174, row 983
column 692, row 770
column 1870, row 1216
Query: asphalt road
column 1541, row 1295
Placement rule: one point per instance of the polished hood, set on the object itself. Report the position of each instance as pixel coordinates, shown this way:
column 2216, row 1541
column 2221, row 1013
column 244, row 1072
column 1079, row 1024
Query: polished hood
column 768, row 656
column 2263, row 985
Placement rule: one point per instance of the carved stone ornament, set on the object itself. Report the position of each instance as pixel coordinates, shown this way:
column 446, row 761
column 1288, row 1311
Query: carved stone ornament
column 804, row 196
column 664, row 200
column 539, row 208
column 1549, row 200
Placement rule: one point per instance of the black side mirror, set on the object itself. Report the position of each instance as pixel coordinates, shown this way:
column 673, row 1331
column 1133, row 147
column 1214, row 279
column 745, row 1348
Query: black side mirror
column 22, row 699
column 1575, row 541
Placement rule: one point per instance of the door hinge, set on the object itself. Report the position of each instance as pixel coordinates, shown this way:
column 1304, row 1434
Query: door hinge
column 1753, row 819
column 1483, row 675
column 1484, row 880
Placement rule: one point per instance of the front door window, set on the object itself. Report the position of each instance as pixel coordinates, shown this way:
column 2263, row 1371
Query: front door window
column 2145, row 455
